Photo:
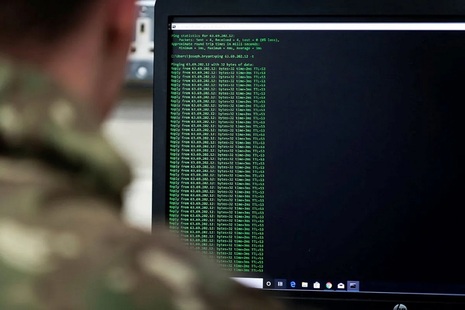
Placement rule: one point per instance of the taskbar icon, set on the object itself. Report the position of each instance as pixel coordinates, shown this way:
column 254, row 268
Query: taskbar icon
column 275, row 284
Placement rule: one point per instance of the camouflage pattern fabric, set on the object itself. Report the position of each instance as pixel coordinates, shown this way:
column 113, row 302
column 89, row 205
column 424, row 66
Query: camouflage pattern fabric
column 62, row 244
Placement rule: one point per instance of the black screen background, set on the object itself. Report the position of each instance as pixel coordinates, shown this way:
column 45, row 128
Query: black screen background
column 364, row 157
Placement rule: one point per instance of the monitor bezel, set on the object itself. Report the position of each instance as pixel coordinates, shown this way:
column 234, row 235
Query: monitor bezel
column 166, row 10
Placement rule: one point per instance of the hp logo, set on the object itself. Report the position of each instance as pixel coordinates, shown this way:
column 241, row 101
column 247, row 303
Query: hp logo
column 400, row 307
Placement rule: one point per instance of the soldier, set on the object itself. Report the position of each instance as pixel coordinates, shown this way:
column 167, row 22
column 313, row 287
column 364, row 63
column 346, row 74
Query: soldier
column 62, row 243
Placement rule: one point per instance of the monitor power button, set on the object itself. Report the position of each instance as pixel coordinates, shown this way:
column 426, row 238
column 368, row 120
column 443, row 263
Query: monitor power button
column 400, row 307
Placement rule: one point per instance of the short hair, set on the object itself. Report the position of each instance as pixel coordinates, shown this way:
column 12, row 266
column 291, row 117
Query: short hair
column 39, row 21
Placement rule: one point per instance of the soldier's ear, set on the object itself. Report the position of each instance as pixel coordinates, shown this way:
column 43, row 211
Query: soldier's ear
column 118, row 31
column 121, row 15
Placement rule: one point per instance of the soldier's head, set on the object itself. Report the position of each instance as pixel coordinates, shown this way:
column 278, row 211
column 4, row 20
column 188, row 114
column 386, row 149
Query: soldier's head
column 82, row 44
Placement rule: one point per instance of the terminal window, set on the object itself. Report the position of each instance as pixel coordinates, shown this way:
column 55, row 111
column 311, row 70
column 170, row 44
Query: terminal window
column 320, row 151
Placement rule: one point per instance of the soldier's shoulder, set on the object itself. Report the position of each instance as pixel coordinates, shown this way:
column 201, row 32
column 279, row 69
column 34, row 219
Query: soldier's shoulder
column 40, row 120
column 62, row 244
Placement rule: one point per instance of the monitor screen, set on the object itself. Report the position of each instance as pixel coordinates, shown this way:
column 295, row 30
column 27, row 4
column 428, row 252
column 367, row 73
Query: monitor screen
column 319, row 156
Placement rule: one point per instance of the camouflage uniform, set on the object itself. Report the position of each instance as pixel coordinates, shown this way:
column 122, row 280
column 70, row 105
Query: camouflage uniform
column 62, row 244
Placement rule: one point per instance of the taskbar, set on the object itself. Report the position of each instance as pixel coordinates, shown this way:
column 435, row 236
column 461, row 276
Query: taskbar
column 262, row 283
column 354, row 286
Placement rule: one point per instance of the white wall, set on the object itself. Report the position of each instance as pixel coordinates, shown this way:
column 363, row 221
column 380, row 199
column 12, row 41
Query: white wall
column 130, row 129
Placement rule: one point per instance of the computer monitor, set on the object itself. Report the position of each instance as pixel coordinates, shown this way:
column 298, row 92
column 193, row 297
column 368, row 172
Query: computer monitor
column 314, row 148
